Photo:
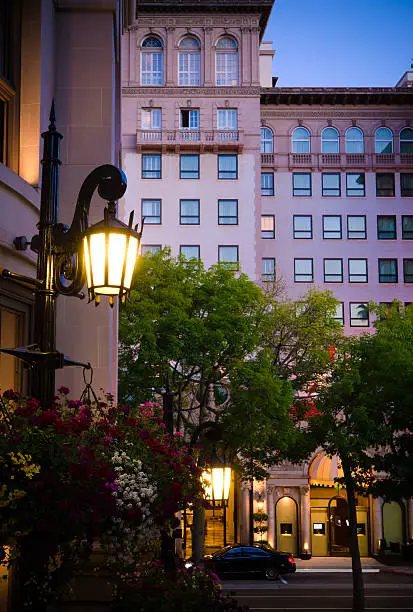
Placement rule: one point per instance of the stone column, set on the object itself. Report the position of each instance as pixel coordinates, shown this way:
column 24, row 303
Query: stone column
column 209, row 57
column 305, row 519
column 271, row 519
column 255, row 45
column 410, row 518
column 244, row 514
column 377, row 523
column 245, row 68
column 170, row 69
column 134, row 59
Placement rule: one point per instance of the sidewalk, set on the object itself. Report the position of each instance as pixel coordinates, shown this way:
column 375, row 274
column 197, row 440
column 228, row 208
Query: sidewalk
column 343, row 565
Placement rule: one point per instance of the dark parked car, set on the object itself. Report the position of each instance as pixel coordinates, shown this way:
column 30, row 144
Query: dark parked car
column 258, row 559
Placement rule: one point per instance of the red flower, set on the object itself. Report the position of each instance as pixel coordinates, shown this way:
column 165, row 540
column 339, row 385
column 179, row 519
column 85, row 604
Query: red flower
column 64, row 390
column 10, row 394
column 47, row 417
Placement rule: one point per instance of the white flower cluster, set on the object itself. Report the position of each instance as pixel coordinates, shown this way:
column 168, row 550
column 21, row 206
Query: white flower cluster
column 127, row 539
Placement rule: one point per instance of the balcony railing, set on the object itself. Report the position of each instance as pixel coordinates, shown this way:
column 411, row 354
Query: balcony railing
column 339, row 161
column 188, row 136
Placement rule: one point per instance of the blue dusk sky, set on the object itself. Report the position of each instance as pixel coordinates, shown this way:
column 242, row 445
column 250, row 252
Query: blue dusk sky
column 341, row 43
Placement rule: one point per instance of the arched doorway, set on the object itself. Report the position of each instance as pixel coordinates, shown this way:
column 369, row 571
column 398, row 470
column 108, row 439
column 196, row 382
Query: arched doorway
column 286, row 513
column 393, row 526
column 338, row 523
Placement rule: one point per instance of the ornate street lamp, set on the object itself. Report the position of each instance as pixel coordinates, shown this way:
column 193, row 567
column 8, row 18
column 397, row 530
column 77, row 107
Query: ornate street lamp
column 104, row 255
column 217, row 481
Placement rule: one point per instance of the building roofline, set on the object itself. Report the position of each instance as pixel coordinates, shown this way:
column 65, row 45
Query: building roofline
column 337, row 95
column 144, row 7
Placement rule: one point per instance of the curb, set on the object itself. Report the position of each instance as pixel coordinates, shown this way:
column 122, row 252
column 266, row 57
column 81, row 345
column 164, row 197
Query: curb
column 395, row 571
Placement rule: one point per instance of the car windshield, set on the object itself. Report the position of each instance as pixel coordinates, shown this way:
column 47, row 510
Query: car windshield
column 221, row 550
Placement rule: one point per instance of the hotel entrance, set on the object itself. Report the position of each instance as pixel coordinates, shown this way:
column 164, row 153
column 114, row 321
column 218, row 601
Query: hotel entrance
column 339, row 531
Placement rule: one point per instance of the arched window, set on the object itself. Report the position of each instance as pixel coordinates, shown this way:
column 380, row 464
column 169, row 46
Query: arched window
column 301, row 140
column 330, row 140
column 226, row 61
column 354, row 140
column 152, row 61
column 189, row 62
column 406, row 140
column 267, row 140
column 384, row 140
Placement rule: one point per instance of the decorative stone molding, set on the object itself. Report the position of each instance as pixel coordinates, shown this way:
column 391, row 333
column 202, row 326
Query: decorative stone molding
column 202, row 92
column 228, row 21
column 275, row 113
column 304, row 490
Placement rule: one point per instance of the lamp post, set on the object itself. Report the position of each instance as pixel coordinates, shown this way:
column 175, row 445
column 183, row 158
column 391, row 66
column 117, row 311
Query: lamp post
column 103, row 254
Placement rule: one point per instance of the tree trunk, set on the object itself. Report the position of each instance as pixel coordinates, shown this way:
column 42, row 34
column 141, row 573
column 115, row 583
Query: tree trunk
column 358, row 582
column 198, row 533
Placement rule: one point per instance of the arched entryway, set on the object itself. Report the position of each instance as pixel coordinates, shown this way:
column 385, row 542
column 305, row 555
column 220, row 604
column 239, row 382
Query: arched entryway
column 338, row 524
column 286, row 514
column 393, row 526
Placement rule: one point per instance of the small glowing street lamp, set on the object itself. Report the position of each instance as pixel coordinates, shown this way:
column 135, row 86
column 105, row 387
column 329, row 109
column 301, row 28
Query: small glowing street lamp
column 217, row 481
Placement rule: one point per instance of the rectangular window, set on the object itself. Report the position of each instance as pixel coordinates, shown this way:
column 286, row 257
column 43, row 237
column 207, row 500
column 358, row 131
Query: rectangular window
column 227, row 167
column 330, row 182
column 301, row 183
column 303, row 271
column 359, row 315
column 355, row 184
column 11, row 334
column 227, row 212
column 151, row 211
column 190, row 251
column 357, row 270
column 268, row 269
column 10, row 48
column 332, row 227
column 303, row 226
column 227, row 119
column 151, row 118
column 226, row 68
column 267, row 183
column 189, row 166
column 408, row 270
column 189, row 212
column 228, row 256
column 384, row 184
column 339, row 314
column 189, row 69
column 151, row 68
column 356, row 227
column 189, row 119
column 151, row 249
column 407, row 227
column 151, row 166
column 388, row 271
column 386, row 227
column 267, row 226
column 406, row 185
column 333, row 270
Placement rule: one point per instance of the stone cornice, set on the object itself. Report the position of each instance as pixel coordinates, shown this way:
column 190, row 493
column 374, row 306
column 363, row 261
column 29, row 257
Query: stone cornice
column 377, row 96
column 196, row 21
column 334, row 113
column 201, row 92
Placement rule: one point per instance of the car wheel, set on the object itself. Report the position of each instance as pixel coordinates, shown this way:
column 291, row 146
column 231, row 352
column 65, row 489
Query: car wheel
column 272, row 573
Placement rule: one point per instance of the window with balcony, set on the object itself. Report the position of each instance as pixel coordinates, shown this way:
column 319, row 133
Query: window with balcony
column 189, row 119
column 357, row 270
column 330, row 140
column 151, row 166
column 356, row 227
column 228, row 256
column 406, row 140
column 387, row 270
column 301, row 140
column 151, row 211
column 152, row 61
column 226, row 62
column 227, row 119
column 333, row 270
column 189, row 212
column 268, row 269
column 406, row 185
column 151, row 249
column 386, row 227
column 267, row 226
column 355, row 184
column 189, row 166
column 267, row 140
column 384, row 184
column 332, row 227
column 301, row 183
column 227, row 166
column 407, row 227
column 267, row 183
column 227, row 212
column 339, row 314
column 330, row 183
column 354, row 140
column 359, row 315
column 151, row 119
column 303, row 271
column 189, row 62
column 190, row 251
column 303, row 226
column 383, row 142
column 408, row 270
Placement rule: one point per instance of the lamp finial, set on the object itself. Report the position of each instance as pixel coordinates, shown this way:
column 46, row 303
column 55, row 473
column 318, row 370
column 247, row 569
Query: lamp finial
column 52, row 116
